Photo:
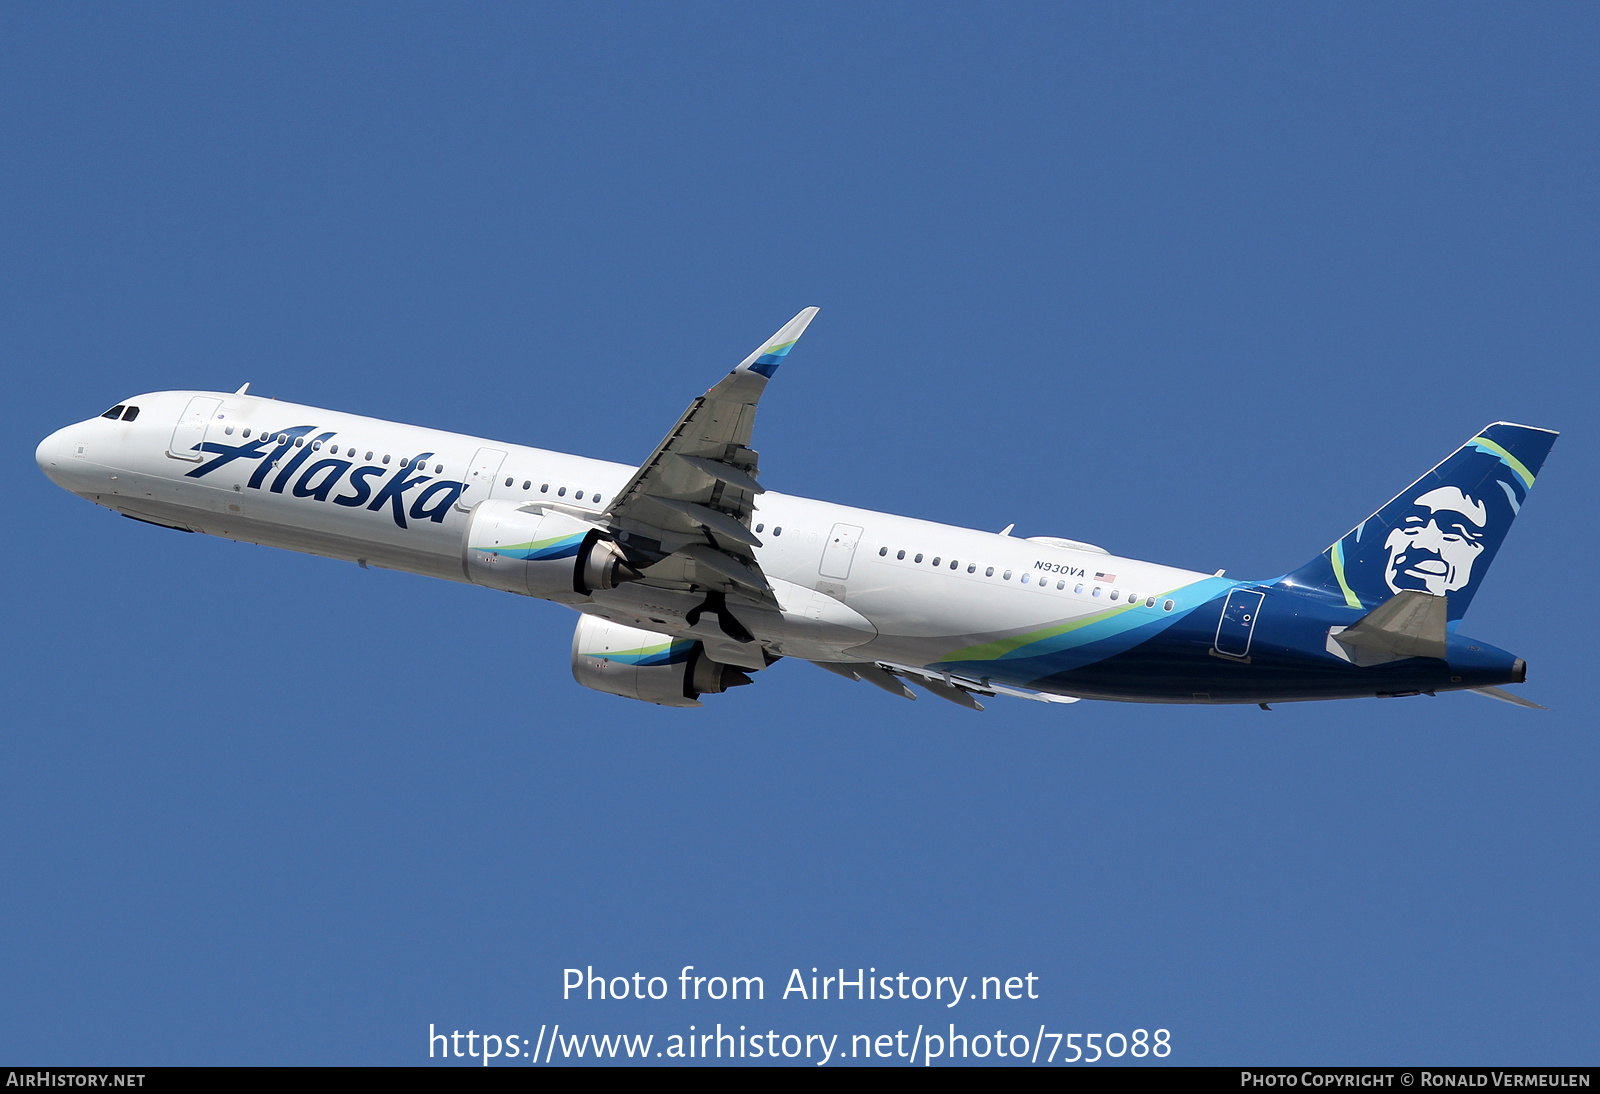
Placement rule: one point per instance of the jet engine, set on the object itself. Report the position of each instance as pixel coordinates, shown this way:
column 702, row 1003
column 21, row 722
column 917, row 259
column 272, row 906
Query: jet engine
column 540, row 552
column 647, row 665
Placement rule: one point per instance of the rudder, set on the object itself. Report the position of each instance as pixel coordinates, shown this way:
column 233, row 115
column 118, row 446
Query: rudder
column 1440, row 534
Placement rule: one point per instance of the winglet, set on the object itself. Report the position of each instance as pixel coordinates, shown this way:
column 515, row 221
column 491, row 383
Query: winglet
column 765, row 361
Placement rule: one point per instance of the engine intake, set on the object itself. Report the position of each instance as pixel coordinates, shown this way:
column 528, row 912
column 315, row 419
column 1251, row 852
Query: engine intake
column 544, row 553
column 647, row 665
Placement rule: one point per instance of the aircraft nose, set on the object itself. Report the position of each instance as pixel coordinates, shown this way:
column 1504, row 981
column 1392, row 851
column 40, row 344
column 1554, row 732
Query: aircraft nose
column 51, row 453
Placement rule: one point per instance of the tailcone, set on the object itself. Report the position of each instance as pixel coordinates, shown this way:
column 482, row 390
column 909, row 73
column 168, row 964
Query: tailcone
column 1475, row 664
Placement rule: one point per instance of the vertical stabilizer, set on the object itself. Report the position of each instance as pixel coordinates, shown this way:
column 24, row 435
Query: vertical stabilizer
column 1440, row 534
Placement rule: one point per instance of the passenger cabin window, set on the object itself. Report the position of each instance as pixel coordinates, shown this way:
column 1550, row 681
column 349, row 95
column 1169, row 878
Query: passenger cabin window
column 545, row 489
column 759, row 527
column 989, row 572
column 527, row 485
column 1006, row 576
column 972, row 567
column 562, row 492
column 510, row 481
column 778, row 531
column 438, row 469
column 954, row 564
column 1168, row 606
column 936, row 560
column 115, row 412
column 247, row 432
column 595, row 498
column 369, row 457
column 386, row 457
column 918, row 558
column 900, row 555
column 882, row 551
column 579, row 495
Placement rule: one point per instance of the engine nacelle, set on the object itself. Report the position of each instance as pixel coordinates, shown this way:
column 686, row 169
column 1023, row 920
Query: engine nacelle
column 544, row 553
column 647, row 665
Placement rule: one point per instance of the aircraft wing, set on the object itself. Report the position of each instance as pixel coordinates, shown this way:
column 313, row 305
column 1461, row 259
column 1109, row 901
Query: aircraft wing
column 956, row 689
column 691, row 502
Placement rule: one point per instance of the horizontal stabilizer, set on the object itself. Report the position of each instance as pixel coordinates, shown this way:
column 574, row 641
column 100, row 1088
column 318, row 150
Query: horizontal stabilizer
column 1506, row 697
column 1409, row 624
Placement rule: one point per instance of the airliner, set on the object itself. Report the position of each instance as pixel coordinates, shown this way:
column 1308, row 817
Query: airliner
column 690, row 577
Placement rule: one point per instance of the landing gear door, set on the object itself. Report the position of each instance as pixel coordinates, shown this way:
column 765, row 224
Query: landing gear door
column 1238, row 622
column 191, row 431
column 481, row 478
column 840, row 551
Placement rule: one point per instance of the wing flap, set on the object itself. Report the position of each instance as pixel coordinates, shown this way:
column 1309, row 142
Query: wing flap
column 957, row 689
column 699, row 564
column 723, row 525
column 724, row 472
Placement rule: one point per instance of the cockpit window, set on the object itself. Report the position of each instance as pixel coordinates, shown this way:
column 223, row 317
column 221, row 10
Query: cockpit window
column 114, row 413
column 130, row 414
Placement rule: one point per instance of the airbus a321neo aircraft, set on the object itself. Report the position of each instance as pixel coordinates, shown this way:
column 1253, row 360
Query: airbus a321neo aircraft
column 689, row 576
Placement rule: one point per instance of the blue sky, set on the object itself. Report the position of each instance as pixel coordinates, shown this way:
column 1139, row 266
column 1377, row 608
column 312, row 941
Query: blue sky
column 1204, row 284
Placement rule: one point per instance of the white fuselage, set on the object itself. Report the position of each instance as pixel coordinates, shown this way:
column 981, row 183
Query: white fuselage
column 900, row 590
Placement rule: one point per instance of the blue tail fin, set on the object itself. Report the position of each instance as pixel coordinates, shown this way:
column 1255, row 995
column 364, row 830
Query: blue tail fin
column 1440, row 534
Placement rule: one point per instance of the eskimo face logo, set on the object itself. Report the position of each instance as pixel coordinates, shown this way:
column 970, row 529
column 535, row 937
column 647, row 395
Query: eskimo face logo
column 1434, row 546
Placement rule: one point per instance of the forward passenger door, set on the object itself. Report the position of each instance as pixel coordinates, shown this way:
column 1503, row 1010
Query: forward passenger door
column 190, row 432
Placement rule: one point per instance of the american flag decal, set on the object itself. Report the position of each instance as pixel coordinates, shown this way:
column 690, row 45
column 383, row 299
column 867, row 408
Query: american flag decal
column 1108, row 578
